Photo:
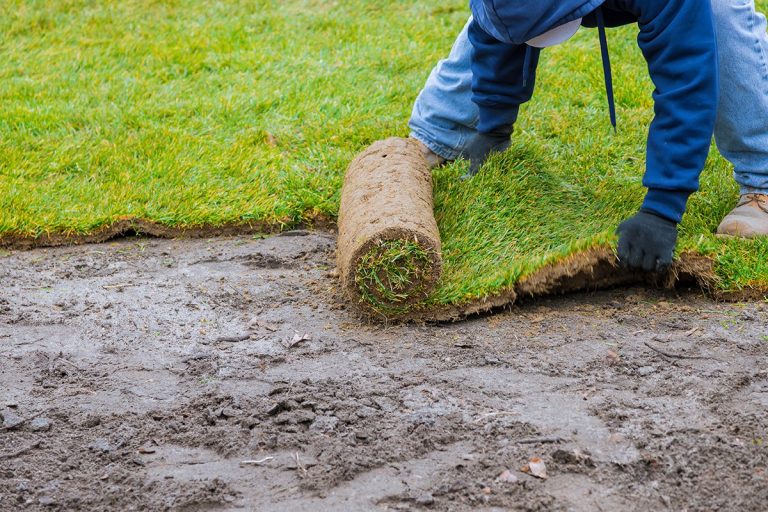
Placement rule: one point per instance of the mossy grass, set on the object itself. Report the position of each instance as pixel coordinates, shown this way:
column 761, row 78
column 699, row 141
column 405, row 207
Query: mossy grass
column 202, row 113
column 392, row 273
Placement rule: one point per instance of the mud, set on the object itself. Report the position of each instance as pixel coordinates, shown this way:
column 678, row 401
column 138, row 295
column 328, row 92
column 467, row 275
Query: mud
column 227, row 374
column 387, row 196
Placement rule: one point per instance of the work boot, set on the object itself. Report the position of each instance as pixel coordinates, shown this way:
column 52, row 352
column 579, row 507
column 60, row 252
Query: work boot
column 432, row 158
column 749, row 219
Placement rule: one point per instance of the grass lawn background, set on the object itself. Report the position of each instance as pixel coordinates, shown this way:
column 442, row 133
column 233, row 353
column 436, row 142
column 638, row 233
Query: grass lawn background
column 202, row 113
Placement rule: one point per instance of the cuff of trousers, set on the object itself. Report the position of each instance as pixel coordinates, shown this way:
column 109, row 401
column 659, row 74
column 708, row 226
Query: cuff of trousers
column 438, row 149
column 497, row 119
column 669, row 204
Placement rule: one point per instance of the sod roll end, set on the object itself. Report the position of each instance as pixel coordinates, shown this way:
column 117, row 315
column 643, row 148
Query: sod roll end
column 388, row 250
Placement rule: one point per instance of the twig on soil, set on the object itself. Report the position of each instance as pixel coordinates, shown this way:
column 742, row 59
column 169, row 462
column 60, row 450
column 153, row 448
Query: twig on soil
column 22, row 451
column 243, row 295
column 23, row 343
column 196, row 357
column 121, row 285
column 675, row 356
column 233, row 339
column 541, row 440
column 255, row 462
column 300, row 466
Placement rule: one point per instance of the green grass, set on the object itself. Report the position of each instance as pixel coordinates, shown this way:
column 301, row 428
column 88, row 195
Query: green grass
column 203, row 113
column 391, row 274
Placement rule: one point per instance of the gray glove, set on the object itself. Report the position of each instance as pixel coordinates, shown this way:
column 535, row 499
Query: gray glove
column 484, row 145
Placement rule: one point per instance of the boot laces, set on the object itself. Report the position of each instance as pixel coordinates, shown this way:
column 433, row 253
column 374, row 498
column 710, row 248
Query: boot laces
column 760, row 200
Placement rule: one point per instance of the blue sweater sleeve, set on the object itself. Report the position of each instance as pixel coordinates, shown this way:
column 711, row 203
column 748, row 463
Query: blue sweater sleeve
column 497, row 79
column 677, row 38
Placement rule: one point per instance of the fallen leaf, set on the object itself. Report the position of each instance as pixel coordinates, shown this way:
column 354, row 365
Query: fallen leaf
column 536, row 467
column 146, row 450
column 297, row 338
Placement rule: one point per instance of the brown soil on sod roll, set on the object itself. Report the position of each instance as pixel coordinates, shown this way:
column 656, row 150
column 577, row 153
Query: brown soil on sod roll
column 388, row 249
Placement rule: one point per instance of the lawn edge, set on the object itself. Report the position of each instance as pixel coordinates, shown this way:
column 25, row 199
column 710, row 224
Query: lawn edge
column 592, row 269
column 127, row 226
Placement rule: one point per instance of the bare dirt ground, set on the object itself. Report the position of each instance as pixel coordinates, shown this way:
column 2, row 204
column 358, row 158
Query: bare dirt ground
column 225, row 374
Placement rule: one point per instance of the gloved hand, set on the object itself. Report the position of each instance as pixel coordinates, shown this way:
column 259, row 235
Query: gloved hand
column 484, row 145
column 647, row 242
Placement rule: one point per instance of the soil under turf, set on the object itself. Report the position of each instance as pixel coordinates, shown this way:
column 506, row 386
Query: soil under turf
column 141, row 374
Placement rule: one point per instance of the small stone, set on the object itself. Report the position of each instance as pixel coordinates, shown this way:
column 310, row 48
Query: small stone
column 425, row 500
column 324, row 423
column 645, row 371
column 40, row 425
column 101, row 445
column 748, row 316
column 536, row 467
column 11, row 420
column 46, row 501
column 366, row 412
column 507, row 477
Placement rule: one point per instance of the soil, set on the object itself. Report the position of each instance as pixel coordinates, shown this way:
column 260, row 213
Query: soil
column 227, row 374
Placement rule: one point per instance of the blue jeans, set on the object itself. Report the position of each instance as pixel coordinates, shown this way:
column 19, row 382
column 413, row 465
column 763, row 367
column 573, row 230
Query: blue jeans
column 444, row 116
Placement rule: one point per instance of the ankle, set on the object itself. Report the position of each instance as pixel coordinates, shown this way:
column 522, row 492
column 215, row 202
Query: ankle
column 432, row 158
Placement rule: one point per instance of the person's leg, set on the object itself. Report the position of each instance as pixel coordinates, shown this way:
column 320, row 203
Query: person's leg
column 741, row 130
column 444, row 116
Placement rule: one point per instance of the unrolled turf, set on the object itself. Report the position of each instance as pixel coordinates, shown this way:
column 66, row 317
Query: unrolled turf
column 200, row 118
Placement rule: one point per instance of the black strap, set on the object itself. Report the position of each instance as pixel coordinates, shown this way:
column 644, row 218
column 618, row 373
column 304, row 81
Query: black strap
column 606, row 66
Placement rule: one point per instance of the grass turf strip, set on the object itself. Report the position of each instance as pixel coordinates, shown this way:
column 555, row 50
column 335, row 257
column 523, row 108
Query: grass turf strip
column 203, row 113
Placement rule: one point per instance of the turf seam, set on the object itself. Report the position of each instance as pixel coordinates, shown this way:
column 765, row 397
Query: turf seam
column 579, row 272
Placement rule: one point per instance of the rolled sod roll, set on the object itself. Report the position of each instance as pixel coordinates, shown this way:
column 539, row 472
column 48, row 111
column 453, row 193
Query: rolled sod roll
column 388, row 250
